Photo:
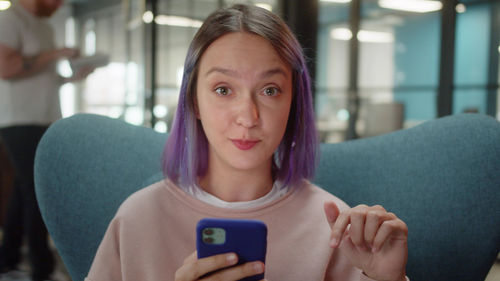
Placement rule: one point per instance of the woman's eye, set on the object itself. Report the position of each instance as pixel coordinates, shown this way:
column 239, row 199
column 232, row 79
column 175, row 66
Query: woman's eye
column 271, row 91
column 222, row 91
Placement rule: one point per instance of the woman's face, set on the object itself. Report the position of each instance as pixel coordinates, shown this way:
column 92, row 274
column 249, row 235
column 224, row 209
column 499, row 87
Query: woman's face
column 243, row 98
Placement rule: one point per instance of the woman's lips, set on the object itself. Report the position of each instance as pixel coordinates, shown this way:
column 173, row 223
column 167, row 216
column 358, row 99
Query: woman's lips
column 245, row 144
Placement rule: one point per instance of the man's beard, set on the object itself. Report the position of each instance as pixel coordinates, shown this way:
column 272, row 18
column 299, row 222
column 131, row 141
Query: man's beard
column 43, row 10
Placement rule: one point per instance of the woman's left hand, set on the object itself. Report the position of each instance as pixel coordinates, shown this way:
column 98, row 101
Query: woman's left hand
column 373, row 239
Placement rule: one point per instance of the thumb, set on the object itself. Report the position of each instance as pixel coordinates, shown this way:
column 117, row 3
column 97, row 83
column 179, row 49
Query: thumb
column 331, row 212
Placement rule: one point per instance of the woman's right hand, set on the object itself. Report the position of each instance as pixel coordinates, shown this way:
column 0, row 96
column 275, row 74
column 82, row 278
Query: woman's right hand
column 194, row 268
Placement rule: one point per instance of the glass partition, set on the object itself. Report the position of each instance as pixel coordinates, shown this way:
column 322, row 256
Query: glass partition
column 398, row 67
column 472, row 58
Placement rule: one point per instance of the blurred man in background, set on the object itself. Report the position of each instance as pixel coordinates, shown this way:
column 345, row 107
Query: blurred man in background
column 28, row 105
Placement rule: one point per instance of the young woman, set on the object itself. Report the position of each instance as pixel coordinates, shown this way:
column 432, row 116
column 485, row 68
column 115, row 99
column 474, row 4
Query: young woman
column 243, row 145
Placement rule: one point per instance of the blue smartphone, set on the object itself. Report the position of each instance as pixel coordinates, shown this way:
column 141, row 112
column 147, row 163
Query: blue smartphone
column 246, row 238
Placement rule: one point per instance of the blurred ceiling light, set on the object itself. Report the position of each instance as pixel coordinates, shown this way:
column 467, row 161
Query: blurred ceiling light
column 160, row 111
column 366, row 36
column 343, row 114
column 161, row 127
column 417, row 6
column 148, row 17
column 177, row 21
column 266, row 6
column 336, row 1
column 460, row 8
column 4, row 4
column 341, row 33
column 375, row 36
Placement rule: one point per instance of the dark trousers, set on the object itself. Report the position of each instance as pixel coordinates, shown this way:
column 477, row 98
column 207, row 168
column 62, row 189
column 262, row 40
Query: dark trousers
column 23, row 218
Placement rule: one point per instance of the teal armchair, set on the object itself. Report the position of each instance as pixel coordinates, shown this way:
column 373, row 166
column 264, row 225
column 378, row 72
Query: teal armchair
column 442, row 178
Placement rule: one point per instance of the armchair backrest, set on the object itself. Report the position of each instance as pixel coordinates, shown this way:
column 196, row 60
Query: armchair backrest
column 442, row 178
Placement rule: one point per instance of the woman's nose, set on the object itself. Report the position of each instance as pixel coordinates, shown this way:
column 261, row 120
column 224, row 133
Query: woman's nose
column 248, row 113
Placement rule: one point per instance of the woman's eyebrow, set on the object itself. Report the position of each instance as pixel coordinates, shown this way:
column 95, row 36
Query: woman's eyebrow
column 225, row 71
column 233, row 73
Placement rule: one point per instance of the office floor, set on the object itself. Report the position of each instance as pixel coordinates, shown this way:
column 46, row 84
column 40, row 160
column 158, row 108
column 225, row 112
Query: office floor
column 60, row 273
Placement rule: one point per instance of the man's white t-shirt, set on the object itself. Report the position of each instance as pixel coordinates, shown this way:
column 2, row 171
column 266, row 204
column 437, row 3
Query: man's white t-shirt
column 34, row 99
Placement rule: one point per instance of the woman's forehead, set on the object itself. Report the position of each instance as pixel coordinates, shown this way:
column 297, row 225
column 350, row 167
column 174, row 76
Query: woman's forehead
column 242, row 53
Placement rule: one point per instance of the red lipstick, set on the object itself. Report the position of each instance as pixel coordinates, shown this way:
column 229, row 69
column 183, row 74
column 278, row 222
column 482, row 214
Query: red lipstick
column 245, row 144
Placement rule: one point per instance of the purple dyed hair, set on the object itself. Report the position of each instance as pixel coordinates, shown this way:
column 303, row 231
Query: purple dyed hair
column 185, row 156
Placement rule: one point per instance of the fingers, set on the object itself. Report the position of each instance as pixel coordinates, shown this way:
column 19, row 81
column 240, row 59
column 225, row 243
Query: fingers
column 357, row 228
column 192, row 258
column 68, row 52
column 366, row 227
column 339, row 228
column 238, row 272
column 331, row 212
column 84, row 71
column 194, row 268
column 73, row 52
column 76, row 52
column 374, row 218
column 395, row 230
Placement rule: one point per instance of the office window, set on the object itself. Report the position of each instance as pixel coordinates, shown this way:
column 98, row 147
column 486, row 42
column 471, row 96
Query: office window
column 177, row 22
column 133, row 30
column 472, row 59
column 397, row 71
column 122, row 89
column 104, row 90
column 116, row 90
column 399, row 61
column 332, row 73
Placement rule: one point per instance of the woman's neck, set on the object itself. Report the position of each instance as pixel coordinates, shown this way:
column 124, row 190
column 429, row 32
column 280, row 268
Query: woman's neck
column 237, row 186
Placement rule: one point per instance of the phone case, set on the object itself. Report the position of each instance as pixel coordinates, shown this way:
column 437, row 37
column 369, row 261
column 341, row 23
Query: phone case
column 246, row 238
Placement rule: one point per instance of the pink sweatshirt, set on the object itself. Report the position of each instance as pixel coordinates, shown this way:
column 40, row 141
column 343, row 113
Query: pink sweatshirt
column 154, row 231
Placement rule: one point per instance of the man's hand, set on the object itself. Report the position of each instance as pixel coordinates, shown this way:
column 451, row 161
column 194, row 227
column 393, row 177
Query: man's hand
column 81, row 74
column 66, row 53
column 13, row 65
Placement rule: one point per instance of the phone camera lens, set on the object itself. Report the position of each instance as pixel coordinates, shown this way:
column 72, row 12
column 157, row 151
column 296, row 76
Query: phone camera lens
column 213, row 235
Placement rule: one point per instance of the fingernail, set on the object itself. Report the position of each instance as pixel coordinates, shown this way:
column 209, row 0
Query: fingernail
column 231, row 258
column 333, row 243
column 258, row 267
